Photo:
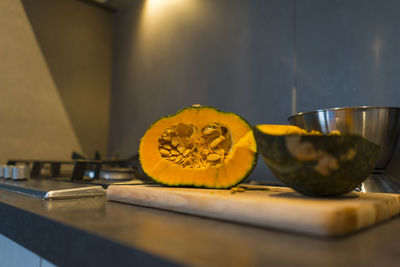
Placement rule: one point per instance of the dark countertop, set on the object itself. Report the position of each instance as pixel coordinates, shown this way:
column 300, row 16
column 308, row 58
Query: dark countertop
column 88, row 232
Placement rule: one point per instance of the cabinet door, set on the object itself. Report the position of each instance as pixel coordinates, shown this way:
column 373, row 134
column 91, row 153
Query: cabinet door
column 14, row 255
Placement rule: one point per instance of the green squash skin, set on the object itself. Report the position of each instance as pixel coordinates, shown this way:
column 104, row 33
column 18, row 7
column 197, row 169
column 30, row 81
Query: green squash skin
column 189, row 185
column 302, row 175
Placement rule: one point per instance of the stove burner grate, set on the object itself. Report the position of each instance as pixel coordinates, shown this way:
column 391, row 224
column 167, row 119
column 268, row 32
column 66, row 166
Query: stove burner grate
column 83, row 169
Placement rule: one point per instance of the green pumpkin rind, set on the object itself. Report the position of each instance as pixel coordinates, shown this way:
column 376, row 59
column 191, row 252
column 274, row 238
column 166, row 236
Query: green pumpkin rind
column 302, row 176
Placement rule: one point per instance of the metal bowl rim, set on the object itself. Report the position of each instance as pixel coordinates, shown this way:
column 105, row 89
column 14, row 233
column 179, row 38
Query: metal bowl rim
column 341, row 108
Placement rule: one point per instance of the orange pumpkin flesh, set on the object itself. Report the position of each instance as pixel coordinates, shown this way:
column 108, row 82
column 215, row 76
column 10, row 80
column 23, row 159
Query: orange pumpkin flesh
column 199, row 146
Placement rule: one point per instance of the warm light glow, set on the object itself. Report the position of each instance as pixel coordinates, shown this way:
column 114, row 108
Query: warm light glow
column 160, row 17
column 154, row 7
column 163, row 27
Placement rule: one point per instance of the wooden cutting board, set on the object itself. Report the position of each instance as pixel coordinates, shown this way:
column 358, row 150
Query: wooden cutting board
column 273, row 207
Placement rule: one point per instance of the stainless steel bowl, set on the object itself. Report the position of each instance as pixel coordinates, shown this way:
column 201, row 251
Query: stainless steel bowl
column 380, row 125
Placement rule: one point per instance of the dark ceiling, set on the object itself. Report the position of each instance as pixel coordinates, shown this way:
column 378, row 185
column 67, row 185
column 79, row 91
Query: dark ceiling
column 110, row 4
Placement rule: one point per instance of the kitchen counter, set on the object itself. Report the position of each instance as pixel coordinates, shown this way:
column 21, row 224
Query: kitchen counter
column 88, row 232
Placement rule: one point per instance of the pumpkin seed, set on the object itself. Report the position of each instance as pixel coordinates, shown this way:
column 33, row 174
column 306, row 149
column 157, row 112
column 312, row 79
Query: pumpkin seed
column 165, row 152
column 166, row 138
column 237, row 189
column 205, row 151
column 208, row 130
column 220, row 151
column 175, row 141
column 213, row 157
column 186, row 152
column 175, row 152
column 167, row 147
column 181, row 148
column 217, row 141
column 178, row 158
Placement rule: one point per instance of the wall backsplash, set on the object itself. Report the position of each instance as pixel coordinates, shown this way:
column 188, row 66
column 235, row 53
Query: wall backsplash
column 33, row 121
column 235, row 55
column 55, row 78
column 248, row 57
column 75, row 39
column 347, row 53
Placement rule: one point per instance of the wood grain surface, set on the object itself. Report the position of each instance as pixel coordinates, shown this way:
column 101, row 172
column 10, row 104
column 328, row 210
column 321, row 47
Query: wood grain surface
column 267, row 206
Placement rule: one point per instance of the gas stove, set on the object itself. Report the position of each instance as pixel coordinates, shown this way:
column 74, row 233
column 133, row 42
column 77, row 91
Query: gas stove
column 77, row 178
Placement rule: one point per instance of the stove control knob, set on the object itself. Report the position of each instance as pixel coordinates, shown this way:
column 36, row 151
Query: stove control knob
column 8, row 172
column 19, row 172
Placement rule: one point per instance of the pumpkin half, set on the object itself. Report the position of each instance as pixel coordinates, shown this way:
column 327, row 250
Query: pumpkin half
column 199, row 146
column 316, row 164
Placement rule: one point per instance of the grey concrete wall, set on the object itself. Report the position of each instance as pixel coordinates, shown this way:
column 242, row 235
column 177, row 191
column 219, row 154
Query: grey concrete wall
column 347, row 53
column 248, row 57
column 75, row 39
column 235, row 55
column 33, row 120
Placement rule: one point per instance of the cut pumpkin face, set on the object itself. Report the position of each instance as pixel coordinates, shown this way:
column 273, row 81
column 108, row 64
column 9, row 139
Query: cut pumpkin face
column 199, row 146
